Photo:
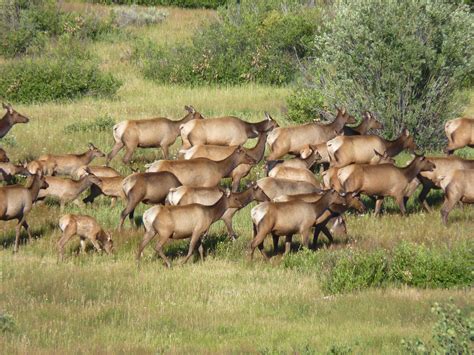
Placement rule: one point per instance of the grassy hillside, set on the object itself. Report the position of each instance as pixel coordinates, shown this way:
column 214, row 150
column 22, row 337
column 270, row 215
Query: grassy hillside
column 98, row 303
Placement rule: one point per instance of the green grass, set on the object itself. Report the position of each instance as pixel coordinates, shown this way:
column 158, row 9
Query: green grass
column 98, row 303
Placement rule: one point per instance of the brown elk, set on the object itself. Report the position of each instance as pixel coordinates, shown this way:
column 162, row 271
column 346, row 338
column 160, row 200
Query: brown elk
column 16, row 202
column 368, row 122
column 458, row 186
column 68, row 163
column 46, row 167
column 149, row 188
column 86, row 228
column 288, row 218
column 99, row 171
column 185, row 195
column 150, row 133
column 276, row 187
column 460, row 133
column 66, row 189
column 224, row 131
column 219, row 152
column 383, row 180
column 10, row 118
column 308, row 157
column 201, row 171
column 296, row 174
column 109, row 186
column 3, row 156
column 9, row 170
column 182, row 222
column 444, row 167
column 292, row 140
column 345, row 150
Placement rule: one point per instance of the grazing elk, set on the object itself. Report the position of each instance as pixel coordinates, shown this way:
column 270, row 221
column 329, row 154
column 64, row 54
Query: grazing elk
column 85, row 227
column 444, row 166
column 150, row 133
column 284, row 140
column 9, row 170
column 185, row 195
column 368, row 122
column 460, row 133
column 68, row 163
column 99, row 171
column 10, row 118
column 201, row 171
column 288, row 218
column 182, row 222
column 457, row 186
column 219, row 152
column 224, row 131
column 276, row 187
column 3, row 156
column 66, row 189
column 383, row 180
column 345, row 150
column 16, row 202
column 149, row 188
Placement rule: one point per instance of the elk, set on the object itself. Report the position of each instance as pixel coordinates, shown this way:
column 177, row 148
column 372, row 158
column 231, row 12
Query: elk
column 99, row 171
column 296, row 174
column 66, row 189
column 149, row 188
column 85, row 227
column 110, row 186
column 16, row 202
column 46, row 167
column 68, row 163
column 345, row 150
column 150, row 133
column 9, row 170
column 444, row 166
column 292, row 140
column 181, row 222
column 351, row 201
column 383, row 180
column 457, row 186
column 10, row 118
column 368, row 122
column 227, row 130
column 460, row 133
column 218, row 152
column 202, row 171
column 288, row 218
column 273, row 187
column 308, row 157
column 3, row 156
column 185, row 195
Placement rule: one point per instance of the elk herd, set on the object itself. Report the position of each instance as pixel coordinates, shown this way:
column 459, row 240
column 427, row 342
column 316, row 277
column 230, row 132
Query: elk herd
column 186, row 195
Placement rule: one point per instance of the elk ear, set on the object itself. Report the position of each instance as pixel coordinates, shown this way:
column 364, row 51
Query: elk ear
column 378, row 154
column 306, row 152
column 268, row 117
column 91, row 146
column 227, row 192
column 354, row 194
column 8, row 107
column 406, row 132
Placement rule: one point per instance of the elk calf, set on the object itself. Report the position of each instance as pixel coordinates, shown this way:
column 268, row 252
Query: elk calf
column 458, row 186
column 181, row 222
column 460, row 133
column 86, row 228
column 10, row 118
column 16, row 202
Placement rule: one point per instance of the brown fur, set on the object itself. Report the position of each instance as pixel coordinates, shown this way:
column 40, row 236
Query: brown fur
column 276, row 187
column 458, row 186
column 3, row 156
column 9, row 170
column 296, row 174
column 10, row 118
column 368, row 122
column 460, row 133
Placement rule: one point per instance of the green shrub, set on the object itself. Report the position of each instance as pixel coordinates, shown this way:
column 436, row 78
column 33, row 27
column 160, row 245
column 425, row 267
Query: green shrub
column 47, row 79
column 210, row 4
column 304, row 105
column 403, row 60
column 7, row 324
column 258, row 43
column 99, row 124
column 453, row 333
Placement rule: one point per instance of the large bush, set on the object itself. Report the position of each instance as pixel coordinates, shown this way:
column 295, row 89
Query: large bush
column 256, row 42
column 405, row 60
column 210, row 4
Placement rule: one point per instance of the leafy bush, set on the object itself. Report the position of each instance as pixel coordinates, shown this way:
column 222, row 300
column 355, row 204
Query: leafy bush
column 133, row 15
column 27, row 26
column 453, row 333
column 54, row 78
column 404, row 61
column 347, row 270
column 210, row 4
column 258, row 43
column 7, row 324
column 99, row 124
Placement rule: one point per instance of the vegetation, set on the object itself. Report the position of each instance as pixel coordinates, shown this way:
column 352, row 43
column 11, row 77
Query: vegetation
column 368, row 291
column 254, row 42
column 209, row 4
column 408, row 72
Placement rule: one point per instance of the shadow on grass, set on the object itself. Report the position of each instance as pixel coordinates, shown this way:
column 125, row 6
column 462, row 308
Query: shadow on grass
column 8, row 239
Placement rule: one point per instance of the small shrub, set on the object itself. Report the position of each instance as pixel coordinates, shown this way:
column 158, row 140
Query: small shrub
column 99, row 124
column 133, row 15
column 453, row 333
column 7, row 324
column 304, row 105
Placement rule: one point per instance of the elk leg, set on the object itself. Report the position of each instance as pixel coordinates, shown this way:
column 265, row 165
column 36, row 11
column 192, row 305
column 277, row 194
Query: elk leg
column 201, row 250
column 276, row 239
column 116, row 148
column 317, row 231
column 149, row 235
column 422, row 197
column 128, row 211
column 262, row 251
column 27, row 228
column 378, row 205
column 227, row 218
column 159, row 249
column 67, row 235
column 401, row 204
column 305, row 238
column 165, row 150
column 113, row 200
column 17, row 233
column 94, row 192
column 83, row 245
column 448, row 205
column 129, row 149
column 288, row 240
column 257, row 241
column 327, row 233
column 96, row 245
column 192, row 245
